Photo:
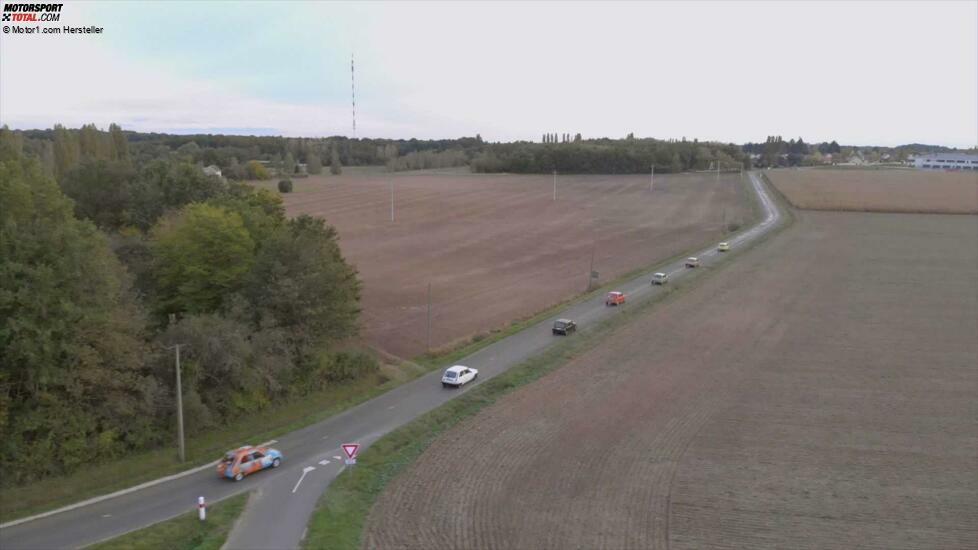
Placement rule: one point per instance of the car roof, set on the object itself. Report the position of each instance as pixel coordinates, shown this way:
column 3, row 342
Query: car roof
column 659, row 274
column 456, row 368
column 691, row 258
column 724, row 242
column 564, row 321
column 615, row 292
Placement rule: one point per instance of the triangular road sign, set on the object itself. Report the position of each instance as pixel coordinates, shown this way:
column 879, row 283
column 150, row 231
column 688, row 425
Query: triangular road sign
column 351, row 449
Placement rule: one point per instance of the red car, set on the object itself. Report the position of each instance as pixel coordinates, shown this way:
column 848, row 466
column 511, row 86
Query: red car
column 614, row 298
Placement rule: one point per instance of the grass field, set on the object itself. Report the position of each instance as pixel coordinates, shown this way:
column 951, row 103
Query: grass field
column 497, row 247
column 891, row 190
column 184, row 532
column 819, row 392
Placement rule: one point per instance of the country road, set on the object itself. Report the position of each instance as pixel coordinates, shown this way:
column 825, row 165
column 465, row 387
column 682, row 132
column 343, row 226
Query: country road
column 284, row 499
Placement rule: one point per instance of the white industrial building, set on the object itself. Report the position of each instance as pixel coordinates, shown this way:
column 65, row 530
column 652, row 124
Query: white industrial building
column 946, row 161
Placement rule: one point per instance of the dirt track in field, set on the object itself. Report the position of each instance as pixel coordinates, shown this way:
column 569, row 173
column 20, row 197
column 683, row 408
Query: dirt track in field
column 879, row 190
column 498, row 248
column 819, row 392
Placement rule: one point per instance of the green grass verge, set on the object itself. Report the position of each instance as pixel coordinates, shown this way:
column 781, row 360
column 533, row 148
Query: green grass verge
column 184, row 532
column 338, row 520
column 104, row 478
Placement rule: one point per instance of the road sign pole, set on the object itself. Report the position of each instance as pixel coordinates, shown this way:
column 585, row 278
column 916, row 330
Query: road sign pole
column 428, row 319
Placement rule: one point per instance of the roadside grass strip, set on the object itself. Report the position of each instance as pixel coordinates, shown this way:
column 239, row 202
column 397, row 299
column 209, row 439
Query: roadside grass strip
column 184, row 532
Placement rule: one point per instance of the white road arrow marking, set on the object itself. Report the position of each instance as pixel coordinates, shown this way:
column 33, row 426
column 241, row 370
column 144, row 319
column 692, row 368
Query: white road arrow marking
column 305, row 471
column 323, row 462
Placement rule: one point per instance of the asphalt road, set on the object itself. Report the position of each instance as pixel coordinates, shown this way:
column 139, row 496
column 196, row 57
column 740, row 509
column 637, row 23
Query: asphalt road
column 277, row 514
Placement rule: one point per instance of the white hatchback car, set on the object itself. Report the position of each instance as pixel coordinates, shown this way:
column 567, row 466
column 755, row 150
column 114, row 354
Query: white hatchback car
column 458, row 376
column 723, row 247
column 692, row 262
column 660, row 279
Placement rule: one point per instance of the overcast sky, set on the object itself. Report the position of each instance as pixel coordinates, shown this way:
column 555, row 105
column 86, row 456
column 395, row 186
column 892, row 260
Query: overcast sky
column 860, row 73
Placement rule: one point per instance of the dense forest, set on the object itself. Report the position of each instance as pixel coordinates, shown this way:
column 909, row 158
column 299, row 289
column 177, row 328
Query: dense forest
column 110, row 255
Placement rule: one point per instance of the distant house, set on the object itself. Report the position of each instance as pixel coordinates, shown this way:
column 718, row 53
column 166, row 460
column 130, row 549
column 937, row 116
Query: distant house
column 946, row 161
column 857, row 159
column 212, row 170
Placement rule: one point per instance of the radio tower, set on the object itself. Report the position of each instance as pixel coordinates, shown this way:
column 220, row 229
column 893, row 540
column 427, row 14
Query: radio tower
column 353, row 93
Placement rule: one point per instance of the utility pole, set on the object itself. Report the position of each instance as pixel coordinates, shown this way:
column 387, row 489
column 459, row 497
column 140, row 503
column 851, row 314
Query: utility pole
column 392, row 201
column 428, row 319
column 555, row 185
column 179, row 405
column 590, row 272
column 651, row 177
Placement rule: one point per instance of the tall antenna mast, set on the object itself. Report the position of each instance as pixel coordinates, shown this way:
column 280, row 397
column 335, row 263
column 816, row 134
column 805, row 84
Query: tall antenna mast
column 353, row 93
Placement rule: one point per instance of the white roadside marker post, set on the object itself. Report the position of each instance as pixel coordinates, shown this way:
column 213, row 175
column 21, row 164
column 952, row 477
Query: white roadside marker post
column 201, row 509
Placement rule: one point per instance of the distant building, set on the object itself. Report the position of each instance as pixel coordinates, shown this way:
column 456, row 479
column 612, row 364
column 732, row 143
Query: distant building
column 946, row 161
column 212, row 170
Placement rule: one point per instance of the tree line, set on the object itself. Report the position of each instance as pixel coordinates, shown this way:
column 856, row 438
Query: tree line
column 109, row 257
column 606, row 156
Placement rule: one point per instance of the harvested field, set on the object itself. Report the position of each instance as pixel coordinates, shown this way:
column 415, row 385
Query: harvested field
column 496, row 248
column 819, row 392
column 879, row 190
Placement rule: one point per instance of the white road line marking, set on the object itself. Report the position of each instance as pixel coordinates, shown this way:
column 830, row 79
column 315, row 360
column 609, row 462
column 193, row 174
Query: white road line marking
column 337, row 458
column 305, row 471
column 106, row 515
column 323, row 462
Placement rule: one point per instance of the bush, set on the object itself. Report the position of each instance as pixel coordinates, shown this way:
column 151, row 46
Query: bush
column 285, row 186
column 345, row 366
column 255, row 170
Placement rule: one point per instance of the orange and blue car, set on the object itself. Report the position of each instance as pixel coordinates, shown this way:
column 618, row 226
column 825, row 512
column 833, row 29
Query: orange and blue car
column 247, row 460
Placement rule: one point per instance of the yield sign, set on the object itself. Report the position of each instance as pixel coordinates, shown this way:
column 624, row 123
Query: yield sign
column 351, row 449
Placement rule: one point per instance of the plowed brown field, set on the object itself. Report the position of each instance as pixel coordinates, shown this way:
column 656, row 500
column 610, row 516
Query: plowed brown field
column 819, row 392
column 879, row 190
column 498, row 248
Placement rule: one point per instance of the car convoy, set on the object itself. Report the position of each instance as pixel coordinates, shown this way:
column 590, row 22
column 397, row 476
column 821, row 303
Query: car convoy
column 246, row 460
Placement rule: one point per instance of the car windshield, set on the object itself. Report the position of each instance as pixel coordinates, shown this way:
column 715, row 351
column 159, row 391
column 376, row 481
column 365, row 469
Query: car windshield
column 559, row 324
column 450, row 374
